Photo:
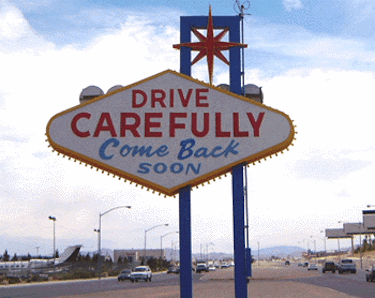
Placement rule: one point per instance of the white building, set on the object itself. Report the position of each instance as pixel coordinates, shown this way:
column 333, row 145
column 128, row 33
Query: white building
column 135, row 255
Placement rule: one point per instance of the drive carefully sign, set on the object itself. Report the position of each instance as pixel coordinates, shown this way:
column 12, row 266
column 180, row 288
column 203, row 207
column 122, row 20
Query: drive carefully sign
column 169, row 131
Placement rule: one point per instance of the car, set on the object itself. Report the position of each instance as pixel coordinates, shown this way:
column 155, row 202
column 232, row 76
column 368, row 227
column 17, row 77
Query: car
column 141, row 273
column 312, row 267
column 211, row 268
column 370, row 274
column 300, row 265
column 224, row 265
column 329, row 266
column 124, row 275
column 173, row 269
column 306, row 264
column 347, row 266
column 201, row 267
column 287, row 263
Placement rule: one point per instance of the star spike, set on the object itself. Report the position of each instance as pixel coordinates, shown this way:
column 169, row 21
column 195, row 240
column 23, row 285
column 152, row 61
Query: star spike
column 210, row 46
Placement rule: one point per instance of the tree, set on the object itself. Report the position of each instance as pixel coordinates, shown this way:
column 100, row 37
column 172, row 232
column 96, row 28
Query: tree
column 15, row 258
column 6, row 256
column 88, row 258
column 56, row 253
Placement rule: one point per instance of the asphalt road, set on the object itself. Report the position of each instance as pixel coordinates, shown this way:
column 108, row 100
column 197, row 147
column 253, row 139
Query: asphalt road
column 79, row 287
column 350, row 284
column 278, row 281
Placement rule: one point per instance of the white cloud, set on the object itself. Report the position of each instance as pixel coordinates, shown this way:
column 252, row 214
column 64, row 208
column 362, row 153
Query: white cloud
column 330, row 108
column 292, row 4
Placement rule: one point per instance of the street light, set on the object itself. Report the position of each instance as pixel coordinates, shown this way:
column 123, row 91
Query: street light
column 173, row 249
column 54, row 239
column 144, row 253
column 161, row 242
column 99, row 231
column 54, row 243
column 211, row 243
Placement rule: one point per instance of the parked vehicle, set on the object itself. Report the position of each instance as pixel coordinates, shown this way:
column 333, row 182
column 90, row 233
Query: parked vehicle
column 370, row 274
column 201, row 267
column 287, row 263
column 312, row 267
column 211, row 268
column 347, row 266
column 124, row 275
column 141, row 273
column 329, row 266
column 172, row 269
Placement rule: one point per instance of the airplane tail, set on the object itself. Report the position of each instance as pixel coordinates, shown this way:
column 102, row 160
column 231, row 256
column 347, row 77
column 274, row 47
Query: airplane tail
column 69, row 254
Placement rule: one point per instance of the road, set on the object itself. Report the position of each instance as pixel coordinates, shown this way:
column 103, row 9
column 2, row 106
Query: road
column 350, row 284
column 275, row 280
column 79, row 287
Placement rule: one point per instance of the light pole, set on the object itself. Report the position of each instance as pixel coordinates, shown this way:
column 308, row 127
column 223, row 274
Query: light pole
column 99, row 231
column 144, row 252
column 54, row 243
column 173, row 248
column 161, row 242
column 211, row 243
column 258, row 253
column 54, row 238
column 325, row 242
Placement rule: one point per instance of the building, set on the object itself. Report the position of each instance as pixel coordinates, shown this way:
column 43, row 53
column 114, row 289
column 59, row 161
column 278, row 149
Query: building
column 135, row 255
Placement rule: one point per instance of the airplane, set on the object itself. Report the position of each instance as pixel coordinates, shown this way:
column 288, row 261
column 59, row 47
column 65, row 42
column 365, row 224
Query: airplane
column 35, row 266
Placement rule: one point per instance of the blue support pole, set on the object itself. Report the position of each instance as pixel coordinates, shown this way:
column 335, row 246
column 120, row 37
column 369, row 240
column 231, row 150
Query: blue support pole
column 240, row 269
column 233, row 23
column 186, row 274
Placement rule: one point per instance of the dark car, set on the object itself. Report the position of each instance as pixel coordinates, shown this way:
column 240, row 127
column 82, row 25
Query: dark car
column 173, row 269
column 124, row 275
column 287, row 263
column 329, row 266
column 370, row 274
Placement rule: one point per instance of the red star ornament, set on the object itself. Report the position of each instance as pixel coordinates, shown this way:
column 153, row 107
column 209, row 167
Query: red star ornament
column 210, row 46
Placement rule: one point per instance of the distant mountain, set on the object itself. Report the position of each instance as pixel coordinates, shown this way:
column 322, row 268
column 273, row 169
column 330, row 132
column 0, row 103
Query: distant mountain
column 278, row 251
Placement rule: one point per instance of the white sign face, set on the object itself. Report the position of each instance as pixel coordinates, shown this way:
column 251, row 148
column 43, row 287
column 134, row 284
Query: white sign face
column 169, row 131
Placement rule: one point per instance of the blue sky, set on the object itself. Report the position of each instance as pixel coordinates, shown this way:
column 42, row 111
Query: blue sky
column 314, row 60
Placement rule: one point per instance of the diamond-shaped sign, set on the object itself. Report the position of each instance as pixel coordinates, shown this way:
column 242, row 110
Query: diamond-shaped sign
column 169, row 131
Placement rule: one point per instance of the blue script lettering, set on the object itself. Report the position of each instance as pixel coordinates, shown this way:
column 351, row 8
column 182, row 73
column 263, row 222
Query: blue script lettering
column 104, row 146
column 187, row 151
column 126, row 150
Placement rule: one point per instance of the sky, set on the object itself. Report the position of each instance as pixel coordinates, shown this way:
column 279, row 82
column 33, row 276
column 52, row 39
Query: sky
column 313, row 59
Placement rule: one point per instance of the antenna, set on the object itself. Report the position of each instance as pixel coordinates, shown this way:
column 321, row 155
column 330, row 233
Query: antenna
column 240, row 9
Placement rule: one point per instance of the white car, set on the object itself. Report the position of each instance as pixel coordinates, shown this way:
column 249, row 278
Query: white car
column 211, row 268
column 312, row 267
column 141, row 273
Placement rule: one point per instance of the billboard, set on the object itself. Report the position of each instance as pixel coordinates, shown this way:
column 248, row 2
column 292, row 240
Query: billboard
column 369, row 219
column 355, row 229
column 336, row 233
column 169, row 131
